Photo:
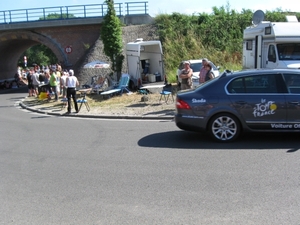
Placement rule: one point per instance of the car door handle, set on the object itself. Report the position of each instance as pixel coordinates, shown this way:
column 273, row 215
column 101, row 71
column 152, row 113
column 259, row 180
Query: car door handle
column 241, row 102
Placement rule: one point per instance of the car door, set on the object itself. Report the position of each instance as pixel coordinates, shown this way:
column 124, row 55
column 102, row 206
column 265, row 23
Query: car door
column 293, row 99
column 258, row 100
column 272, row 60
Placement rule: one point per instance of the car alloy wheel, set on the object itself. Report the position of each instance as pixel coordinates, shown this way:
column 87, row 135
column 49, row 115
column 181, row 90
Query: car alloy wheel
column 224, row 127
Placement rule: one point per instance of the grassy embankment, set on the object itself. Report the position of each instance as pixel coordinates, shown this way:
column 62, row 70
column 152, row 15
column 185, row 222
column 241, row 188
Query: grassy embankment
column 217, row 36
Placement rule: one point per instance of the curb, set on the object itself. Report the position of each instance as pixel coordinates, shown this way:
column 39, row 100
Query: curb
column 124, row 117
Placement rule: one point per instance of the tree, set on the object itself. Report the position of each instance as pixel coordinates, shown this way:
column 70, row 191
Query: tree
column 39, row 54
column 111, row 36
column 55, row 16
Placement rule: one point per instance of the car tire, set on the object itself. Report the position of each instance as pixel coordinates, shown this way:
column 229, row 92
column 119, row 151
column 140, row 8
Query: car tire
column 224, row 127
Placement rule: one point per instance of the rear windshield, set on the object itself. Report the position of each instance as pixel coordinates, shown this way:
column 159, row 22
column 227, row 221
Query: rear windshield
column 196, row 66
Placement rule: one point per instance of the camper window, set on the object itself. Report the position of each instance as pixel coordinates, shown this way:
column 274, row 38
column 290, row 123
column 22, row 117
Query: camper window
column 267, row 30
column 249, row 45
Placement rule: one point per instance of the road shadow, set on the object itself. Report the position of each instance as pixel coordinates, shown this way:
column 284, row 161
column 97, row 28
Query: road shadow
column 137, row 105
column 167, row 112
column 248, row 141
column 15, row 93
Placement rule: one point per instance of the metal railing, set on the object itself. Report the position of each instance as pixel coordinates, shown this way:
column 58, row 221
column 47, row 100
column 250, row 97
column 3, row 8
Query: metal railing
column 71, row 12
column 136, row 8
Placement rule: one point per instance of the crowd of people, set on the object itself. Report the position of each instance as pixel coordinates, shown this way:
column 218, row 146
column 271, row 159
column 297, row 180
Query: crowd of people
column 15, row 82
column 46, row 82
column 186, row 74
column 8, row 84
column 53, row 81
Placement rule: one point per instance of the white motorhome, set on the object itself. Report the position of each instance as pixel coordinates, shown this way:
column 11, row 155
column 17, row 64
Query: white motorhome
column 145, row 61
column 272, row 44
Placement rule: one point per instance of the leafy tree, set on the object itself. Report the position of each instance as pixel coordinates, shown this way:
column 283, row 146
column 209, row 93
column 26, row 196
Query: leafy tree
column 111, row 35
column 55, row 16
column 38, row 54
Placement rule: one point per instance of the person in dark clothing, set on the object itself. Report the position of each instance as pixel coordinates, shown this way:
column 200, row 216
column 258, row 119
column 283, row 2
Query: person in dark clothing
column 30, row 83
column 209, row 75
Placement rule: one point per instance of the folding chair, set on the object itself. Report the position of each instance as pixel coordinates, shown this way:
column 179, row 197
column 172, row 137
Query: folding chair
column 166, row 95
column 123, row 86
column 166, row 92
column 84, row 101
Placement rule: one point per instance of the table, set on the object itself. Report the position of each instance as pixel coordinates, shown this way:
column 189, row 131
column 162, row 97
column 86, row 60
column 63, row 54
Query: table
column 157, row 86
column 44, row 87
column 153, row 86
column 162, row 93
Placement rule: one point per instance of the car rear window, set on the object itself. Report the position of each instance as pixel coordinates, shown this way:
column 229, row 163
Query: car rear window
column 196, row 66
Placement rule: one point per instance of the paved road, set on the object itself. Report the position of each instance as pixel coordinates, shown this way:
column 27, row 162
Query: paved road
column 59, row 170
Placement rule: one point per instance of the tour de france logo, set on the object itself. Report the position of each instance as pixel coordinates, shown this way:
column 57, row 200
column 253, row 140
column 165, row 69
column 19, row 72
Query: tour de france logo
column 264, row 108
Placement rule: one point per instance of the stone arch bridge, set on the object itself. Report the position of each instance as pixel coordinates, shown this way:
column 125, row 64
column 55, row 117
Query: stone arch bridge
column 69, row 39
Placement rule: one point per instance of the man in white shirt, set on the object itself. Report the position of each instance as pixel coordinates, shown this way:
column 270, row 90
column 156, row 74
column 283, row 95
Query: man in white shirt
column 71, row 83
column 63, row 83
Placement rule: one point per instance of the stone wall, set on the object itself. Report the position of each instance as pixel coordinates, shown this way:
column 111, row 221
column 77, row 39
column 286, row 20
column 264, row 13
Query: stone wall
column 130, row 33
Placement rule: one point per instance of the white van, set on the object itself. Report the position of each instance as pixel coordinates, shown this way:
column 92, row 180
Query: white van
column 273, row 45
column 144, row 58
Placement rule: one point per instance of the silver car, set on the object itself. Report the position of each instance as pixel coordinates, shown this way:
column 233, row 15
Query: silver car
column 252, row 100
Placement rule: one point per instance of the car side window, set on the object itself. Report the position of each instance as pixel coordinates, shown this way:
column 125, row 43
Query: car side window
column 254, row 84
column 236, row 86
column 292, row 82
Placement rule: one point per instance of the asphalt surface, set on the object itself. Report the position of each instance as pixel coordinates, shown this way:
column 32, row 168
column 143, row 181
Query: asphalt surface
column 59, row 170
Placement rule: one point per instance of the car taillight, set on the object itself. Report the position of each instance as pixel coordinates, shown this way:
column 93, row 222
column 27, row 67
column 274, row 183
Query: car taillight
column 180, row 104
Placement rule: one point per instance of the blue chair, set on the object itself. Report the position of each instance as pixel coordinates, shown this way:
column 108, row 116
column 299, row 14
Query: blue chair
column 166, row 92
column 85, row 102
column 166, row 95
column 123, row 86
column 82, row 100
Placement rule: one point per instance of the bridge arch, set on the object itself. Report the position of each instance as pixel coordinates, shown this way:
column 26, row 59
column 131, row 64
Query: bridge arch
column 13, row 44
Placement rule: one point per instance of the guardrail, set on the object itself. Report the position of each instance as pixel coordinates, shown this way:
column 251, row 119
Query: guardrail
column 71, row 12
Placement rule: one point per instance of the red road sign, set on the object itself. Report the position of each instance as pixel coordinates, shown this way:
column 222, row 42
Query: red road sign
column 68, row 49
